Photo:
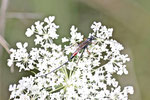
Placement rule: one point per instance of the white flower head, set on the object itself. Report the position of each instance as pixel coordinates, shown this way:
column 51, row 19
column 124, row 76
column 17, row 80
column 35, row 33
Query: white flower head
column 89, row 75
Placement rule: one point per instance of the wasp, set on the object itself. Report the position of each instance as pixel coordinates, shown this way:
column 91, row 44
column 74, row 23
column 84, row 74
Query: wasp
column 81, row 46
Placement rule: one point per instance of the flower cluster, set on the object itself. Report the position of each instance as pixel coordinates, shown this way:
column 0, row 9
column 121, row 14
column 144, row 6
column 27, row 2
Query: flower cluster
column 88, row 76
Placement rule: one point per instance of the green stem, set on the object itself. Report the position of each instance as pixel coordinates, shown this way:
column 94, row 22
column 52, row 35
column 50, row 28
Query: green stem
column 70, row 73
column 33, row 72
column 65, row 71
column 57, row 89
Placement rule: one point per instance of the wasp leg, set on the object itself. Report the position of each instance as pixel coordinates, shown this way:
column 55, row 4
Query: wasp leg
column 88, row 51
column 81, row 54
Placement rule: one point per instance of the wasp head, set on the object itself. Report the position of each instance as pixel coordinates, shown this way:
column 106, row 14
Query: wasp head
column 92, row 38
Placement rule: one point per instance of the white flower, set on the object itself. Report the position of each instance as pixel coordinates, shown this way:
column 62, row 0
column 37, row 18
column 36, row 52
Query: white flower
column 109, row 68
column 65, row 39
column 12, row 87
column 75, row 36
column 96, row 26
column 10, row 62
column 129, row 89
column 39, row 27
column 38, row 40
column 20, row 46
column 73, row 30
column 122, row 70
column 50, row 19
column 24, row 97
column 29, row 31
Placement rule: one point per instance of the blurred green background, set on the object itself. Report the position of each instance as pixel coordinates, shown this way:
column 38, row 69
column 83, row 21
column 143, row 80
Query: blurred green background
column 130, row 20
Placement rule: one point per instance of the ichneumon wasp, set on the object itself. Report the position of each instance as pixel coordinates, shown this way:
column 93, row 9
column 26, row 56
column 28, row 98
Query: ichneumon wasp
column 81, row 46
